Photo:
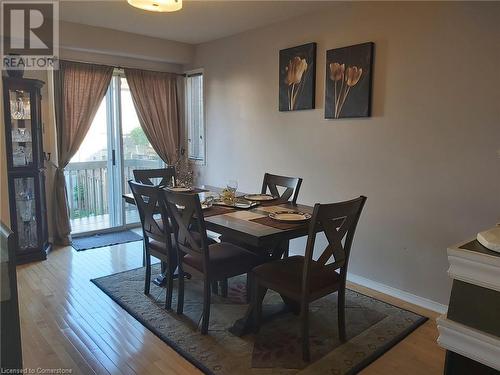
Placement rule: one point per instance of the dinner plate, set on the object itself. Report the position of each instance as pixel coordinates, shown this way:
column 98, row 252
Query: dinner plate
column 203, row 206
column 245, row 204
column 180, row 189
column 260, row 197
column 290, row 216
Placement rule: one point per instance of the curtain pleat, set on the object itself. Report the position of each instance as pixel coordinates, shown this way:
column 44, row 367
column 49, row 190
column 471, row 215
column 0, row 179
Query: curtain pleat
column 78, row 91
column 155, row 99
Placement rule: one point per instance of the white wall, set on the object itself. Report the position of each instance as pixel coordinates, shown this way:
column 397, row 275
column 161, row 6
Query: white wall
column 427, row 159
column 111, row 47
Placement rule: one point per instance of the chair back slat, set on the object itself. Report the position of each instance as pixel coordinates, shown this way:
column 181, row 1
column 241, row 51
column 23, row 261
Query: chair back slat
column 149, row 201
column 187, row 219
column 338, row 222
column 271, row 182
column 166, row 176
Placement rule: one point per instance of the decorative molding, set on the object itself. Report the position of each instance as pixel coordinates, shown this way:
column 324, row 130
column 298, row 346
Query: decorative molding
column 474, row 267
column 398, row 293
column 469, row 342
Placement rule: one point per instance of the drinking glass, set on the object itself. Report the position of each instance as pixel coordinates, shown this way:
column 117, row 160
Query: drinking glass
column 232, row 185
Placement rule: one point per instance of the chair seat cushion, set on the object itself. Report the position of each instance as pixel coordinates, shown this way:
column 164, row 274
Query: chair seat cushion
column 226, row 260
column 285, row 276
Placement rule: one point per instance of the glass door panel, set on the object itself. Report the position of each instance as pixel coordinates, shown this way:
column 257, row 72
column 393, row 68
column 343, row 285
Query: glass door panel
column 21, row 133
column 24, row 188
column 137, row 151
column 88, row 178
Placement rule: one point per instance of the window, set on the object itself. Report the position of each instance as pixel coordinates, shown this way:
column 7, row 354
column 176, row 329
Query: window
column 195, row 116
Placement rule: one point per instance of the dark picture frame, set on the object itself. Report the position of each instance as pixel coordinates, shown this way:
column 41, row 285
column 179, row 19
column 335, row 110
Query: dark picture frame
column 348, row 83
column 297, row 78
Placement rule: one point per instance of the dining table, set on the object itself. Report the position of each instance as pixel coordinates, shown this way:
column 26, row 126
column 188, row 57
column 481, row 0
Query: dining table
column 252, row 227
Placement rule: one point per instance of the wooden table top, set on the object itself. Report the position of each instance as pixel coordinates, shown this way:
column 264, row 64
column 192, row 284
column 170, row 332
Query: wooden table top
column 239, row 224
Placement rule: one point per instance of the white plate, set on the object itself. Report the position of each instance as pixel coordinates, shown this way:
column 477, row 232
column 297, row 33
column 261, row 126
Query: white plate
column 260, row 197
column 290, row 216
column 180, row 189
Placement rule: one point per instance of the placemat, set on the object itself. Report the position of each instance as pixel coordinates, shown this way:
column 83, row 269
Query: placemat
column 275, row 202
column 217, row 210
column 266, row 220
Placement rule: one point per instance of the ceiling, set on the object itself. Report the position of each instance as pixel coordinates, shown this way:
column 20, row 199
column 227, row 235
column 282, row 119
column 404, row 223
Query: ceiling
column 198, row 21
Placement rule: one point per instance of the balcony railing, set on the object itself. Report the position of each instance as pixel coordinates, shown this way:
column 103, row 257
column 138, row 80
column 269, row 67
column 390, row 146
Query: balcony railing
column 87, row 185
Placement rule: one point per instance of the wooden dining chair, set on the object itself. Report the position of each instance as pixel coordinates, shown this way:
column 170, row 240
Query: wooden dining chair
column 272, row 182
column 163, row 176
column 213, row 262
column 158, row 238
column 302, row 280
column 160, row 177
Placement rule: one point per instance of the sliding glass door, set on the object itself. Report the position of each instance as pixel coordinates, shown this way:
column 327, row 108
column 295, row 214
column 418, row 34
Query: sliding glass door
column 98, row 174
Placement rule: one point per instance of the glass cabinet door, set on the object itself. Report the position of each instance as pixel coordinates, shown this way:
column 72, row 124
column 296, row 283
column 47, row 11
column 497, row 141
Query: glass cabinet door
column 24, row 188
column 21, row 128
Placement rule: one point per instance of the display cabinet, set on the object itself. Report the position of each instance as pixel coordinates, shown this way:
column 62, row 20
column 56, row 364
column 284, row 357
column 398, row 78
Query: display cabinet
column 25, row 164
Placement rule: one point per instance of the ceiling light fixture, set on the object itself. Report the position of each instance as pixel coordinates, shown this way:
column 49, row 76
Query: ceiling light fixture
column 157, row 5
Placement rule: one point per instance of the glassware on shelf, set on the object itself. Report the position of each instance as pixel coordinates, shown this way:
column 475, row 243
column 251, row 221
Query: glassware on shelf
column 20, row 107
column 21, row 135
column 22, row 156
column 26, row 218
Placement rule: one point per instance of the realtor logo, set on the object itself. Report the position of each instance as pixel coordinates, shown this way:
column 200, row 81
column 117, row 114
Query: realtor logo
column 30, row 35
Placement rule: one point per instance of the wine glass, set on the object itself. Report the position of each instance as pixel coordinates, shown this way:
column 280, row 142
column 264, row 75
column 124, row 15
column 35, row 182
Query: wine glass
column 232, row 186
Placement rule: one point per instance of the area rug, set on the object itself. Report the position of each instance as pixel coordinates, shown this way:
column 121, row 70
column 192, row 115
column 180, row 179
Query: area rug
column 373, row 327
column 104, row 239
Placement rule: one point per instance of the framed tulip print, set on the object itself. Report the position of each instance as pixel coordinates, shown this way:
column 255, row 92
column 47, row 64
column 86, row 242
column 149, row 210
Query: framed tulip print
column 348, row 86
column 297, row 84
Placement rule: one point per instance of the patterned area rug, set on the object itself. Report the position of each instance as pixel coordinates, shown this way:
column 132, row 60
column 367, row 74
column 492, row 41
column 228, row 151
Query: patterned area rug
column 373, row 327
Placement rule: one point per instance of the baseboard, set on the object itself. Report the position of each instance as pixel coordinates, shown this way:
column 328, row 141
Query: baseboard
column 398, row 293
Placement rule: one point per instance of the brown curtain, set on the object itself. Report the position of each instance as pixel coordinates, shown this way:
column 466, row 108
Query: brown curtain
column 78, row 92
column 155, row 99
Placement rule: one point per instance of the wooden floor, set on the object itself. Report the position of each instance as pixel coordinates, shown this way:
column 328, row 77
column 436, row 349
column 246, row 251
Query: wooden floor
column 67, row 322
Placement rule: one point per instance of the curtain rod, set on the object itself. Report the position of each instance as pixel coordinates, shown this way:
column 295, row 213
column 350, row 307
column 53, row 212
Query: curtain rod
column 122, row 67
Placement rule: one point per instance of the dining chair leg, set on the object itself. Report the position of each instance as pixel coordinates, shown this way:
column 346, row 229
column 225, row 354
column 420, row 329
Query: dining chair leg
column 206, row 307
column 258, row 294
column 169, row 286
column 341, row 313
column 180, row 291
column 215, row 287
column 304, row 327
column 143, row 253
column 286, row 248
column 249, row 288
column 147, row 279
column 223, row 288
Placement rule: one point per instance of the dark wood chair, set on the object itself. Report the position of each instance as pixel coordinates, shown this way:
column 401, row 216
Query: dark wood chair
column 301, row 280
column 213, row 262
column 272, row 182
column 292, row 185
column 160, row 176
column 158, row 238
